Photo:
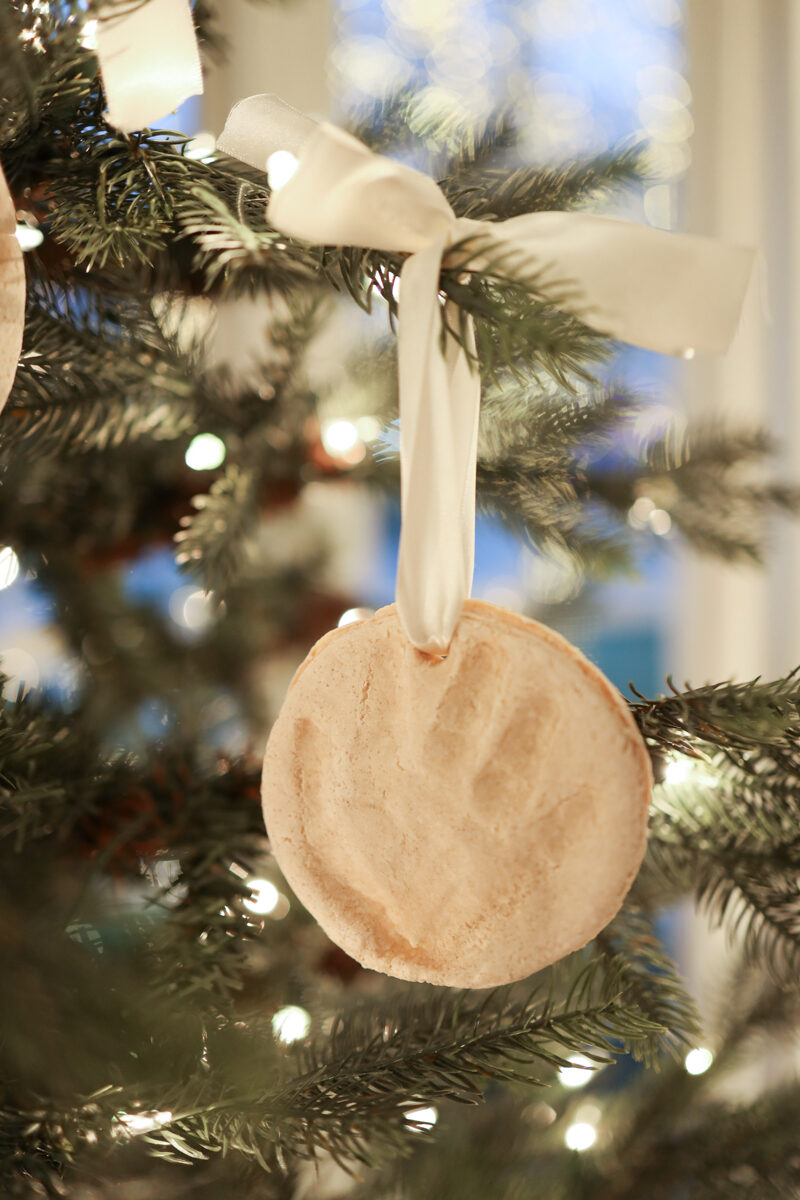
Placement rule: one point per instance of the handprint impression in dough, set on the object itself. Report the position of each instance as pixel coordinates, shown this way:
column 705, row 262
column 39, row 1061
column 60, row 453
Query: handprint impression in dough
column 442, row 807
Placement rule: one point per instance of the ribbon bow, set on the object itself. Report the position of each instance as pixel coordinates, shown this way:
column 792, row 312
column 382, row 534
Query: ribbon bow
column 667, row 292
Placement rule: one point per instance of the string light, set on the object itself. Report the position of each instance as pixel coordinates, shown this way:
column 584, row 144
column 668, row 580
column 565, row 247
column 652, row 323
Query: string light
column 580, row 1136
column 265, row 897
column 291, row 1023
column 643, row 512
column 639, row 512
column 9, row 567
column 660, row 522
column 682, row 770
column 423, row 1118
column 698, row 1061
column 369, row 428
column 678, row 771
column 89, row 34
column 281, row 166
column 339, row 436
column 540, row 1114
column 577, row 1075
column 658, row 206
column 192, row 608
column 28, row 236
column 140, row 1122
column 205, row 452
column 341, row 440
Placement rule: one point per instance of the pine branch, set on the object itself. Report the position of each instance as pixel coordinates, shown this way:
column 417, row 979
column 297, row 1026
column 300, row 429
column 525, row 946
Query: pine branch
column 652, row 979
column 93, row 375
column 748, row 716
column 235, row 249
column 710, row 482
column 756, row 897
column 351, row 1099
column 568, row 469
column 496, row 193
column 213, row 540
column 735, row 1153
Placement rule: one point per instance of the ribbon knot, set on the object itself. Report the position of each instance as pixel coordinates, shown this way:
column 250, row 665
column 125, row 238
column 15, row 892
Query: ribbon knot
column 672, row 293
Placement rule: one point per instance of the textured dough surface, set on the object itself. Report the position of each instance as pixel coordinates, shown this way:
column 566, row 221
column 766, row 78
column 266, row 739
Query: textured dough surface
column 12, row 311
column 464, row 821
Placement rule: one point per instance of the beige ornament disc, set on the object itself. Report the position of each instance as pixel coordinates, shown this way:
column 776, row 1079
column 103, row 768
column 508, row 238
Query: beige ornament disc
column 464, row 821
column 12, row 293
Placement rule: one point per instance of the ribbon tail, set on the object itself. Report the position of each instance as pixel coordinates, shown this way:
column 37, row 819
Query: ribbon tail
column 149, row 61
column 670, row 292
column 439, row 411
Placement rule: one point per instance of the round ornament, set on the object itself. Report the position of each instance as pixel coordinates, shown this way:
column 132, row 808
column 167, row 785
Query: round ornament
column 463, row 820
column 12, row 293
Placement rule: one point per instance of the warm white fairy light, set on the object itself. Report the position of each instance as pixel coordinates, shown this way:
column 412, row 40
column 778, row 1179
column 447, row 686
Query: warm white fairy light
column 89, row 34
column 28, row 236
column 698, row 1061
column 339, row 436
column 369, row 428
column 192, row 608
column 423, row 1118
column 639, row 512
column 205, row 452
column 9, row 567
column 580, row 1136
column 291, row 1023
column 198, row 610
column 281, row 166
column 265, row 897
column 660, row 522
column 678, row 771
column 578, row 1074
column 135, row 1123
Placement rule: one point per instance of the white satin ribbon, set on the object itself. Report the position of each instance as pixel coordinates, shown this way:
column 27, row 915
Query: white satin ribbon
column 667, row 292
column 149, row 61
column 12, row 292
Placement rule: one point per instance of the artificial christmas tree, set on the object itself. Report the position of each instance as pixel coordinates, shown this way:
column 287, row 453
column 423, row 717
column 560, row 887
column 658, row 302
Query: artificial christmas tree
column 173, row 1022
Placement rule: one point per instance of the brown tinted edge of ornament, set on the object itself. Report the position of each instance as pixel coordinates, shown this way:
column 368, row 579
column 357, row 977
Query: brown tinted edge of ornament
column 12, row 312
column 485, row 614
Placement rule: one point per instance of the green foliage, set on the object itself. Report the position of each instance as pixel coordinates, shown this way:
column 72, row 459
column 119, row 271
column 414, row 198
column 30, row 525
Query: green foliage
column 729, row 832
column 214, row 536
column 355, row 1087
column 497, row 194
column 93, row 374
column 541, row 466
column 136, row 979
column 729, row 716
column 652, row 979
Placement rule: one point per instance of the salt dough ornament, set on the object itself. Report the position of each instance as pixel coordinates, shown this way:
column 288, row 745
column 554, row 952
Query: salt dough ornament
column 12, row 293
column 463, row 820
column 455, row 793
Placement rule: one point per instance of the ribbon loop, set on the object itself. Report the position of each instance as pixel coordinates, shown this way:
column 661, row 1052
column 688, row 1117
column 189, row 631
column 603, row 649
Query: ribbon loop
column 668, row 292
column 439, row 411
column 353, row 197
